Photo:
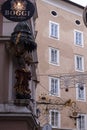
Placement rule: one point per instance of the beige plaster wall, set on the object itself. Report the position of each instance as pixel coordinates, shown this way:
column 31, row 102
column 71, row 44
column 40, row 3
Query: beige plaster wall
column 67, row 15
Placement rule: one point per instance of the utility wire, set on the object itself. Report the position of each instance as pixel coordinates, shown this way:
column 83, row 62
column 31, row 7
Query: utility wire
column 64, row 74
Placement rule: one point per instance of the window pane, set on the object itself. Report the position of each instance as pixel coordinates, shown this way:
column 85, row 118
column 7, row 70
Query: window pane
column 54, row 30
column 78, row 38
column 81, row 122
column 52, row 55
column 79, row 63
column 54, row 86
column 54, row 58
column 81, row 91
column 54, row 118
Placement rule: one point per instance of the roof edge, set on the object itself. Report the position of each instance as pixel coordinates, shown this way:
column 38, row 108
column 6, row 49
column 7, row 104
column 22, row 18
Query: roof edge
column 73, row 3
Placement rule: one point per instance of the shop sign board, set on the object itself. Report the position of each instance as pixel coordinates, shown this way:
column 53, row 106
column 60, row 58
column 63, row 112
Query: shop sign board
column 47, row 127
column 85, row 16
column 17, row 10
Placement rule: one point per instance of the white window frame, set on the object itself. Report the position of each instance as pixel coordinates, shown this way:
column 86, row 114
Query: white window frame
column 79, row 67
column 55, row 33
column 56, row 89
column 80, row 94
column 79, row 40
column 79, row 121
column 55, row 121
column 53, row 59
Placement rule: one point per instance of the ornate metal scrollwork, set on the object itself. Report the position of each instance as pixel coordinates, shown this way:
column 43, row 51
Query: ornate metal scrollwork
column 45, row 103
column 74, row 111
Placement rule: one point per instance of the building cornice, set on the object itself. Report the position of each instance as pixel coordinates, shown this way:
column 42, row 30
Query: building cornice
column 66, row 5
column 73, row 3
column 29, row 117
column 10, row 111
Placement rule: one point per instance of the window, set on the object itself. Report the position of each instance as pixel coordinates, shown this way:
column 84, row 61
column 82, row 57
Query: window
column 78, row 38
column 80, row 91
column 81, row 122
column 53, row 56
column 54, row 13
column 54, row 86
column 54, row 30
column 79, row 63
column 55, row 119
column 77, row 22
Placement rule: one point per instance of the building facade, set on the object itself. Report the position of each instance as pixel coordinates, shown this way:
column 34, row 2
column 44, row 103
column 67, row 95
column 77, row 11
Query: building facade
column 62, row 70
column 18, row 74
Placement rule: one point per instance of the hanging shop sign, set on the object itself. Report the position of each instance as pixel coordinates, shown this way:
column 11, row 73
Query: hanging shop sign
column 47, row 127
column 85, row 16
column 17, row 10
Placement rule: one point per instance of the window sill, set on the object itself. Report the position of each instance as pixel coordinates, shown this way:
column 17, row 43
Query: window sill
column 79, row 70
column 54, row 64
column 81, row 100
column 58, row 95
column 54, row 38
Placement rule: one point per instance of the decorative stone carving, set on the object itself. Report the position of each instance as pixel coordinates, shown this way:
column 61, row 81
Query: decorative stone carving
column 20, row 47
